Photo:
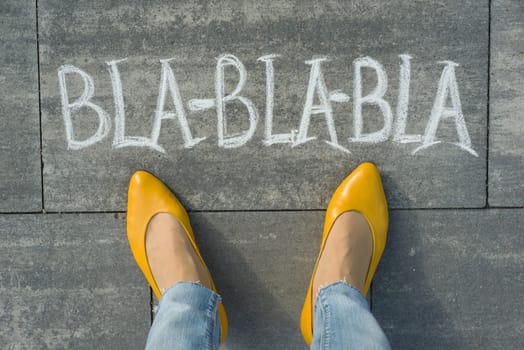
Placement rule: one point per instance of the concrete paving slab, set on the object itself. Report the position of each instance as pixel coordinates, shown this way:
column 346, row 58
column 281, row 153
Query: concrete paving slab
column 69, row 282
column 20, row 173
column 506, row 159
column 449, row 279
column 84, row 41
column 453, row 280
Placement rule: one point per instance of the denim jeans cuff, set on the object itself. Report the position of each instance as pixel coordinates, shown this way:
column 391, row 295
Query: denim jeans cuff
column 198, row 291
column 342, row 288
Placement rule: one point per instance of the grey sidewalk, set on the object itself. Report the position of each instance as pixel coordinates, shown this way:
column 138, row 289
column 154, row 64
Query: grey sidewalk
column 439, row 87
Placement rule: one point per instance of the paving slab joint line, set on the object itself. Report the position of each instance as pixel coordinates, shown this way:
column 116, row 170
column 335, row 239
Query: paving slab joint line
column 39, row 106
column 488, row 103
column 23, row 212
column 259, row 210
column 151, row 306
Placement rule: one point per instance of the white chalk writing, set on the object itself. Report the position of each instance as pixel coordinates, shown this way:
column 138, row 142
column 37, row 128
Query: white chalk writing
column 394, row 126
column 84, row 100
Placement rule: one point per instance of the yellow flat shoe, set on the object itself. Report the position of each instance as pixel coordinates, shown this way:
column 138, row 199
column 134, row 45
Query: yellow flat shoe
column 148, row 196
column 361, row 191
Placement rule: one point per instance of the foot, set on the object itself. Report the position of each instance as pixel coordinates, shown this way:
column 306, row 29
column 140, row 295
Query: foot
column 170, row 254
column 347, row 253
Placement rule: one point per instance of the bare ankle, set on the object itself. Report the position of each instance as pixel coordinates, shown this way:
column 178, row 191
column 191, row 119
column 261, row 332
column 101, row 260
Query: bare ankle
column 171, row 255
column 347, row 253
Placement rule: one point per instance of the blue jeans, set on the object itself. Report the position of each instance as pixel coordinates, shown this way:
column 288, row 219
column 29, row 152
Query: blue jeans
column 187, row 319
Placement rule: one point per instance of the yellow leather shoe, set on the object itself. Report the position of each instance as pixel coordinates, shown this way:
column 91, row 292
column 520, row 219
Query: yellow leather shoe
column 148, row 196
column 361, row 191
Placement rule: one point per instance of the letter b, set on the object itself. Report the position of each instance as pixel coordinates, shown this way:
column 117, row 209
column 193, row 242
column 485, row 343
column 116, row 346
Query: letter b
column 104, row 123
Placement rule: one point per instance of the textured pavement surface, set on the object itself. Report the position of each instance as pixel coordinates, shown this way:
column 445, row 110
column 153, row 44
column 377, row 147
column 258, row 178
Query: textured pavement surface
column 432, row 92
